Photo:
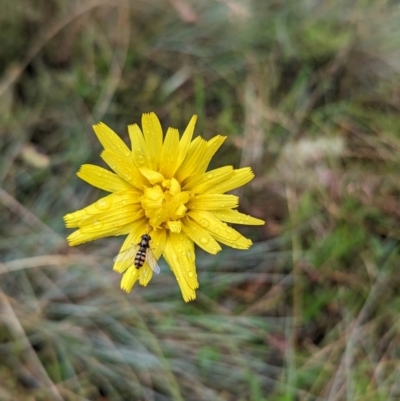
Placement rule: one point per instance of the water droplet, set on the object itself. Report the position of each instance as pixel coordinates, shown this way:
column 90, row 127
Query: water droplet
column 205, row 222
column 210, row 175
column 241, row 221
column 119, row 159
column 190, row 274
column 127, row 152
column 204, row 240
column 97, row 224
column 99, row 173
column 190, row 255
column 123, row 203
column 127, row 177
column 104, row 204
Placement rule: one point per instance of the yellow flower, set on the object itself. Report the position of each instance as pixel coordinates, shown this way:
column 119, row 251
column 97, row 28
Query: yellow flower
column 161, row 187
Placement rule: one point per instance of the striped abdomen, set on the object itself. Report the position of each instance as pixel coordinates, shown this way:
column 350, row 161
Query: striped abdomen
column 140, row 257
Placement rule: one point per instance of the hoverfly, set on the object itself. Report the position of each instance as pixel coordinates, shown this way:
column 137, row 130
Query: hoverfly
column 137, row 255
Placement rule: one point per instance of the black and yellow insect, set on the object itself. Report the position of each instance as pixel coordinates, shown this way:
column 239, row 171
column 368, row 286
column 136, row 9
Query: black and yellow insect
column 137, row 255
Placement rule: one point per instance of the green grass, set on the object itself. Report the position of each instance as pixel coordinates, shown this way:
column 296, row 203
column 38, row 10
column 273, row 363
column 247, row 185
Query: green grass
column 308, row 95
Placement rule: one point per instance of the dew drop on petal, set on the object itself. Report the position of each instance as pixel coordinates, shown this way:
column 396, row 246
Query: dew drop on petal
column 97, row 224
column 210, row 175
column 191, row 256
column 204, row 240
column 205, row 222
column 127, row 177
column 190, row 274
column 104, row 204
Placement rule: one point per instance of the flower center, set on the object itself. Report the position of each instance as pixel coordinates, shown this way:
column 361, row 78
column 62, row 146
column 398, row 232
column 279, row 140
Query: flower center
column 164, row 203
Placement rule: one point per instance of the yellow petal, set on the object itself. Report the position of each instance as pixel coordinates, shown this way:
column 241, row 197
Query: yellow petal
column 200, row 236
column 203, row 182
column 193, row 158
column 157, row 243
column 174, row 186
column 238, row 178
column 153, row 177
column 110, row 140
column 125, row 169
column 111, row 219
column 102, row 178
column 212, row 146
column 153, row 136
column 219, row 230
column 175, row 226
column 140, row 153
column 114, row 201
column 233, row 216
column 213, row 201
column 129, row 278
column 78, row 237
column 168, row 154
column 179, row 254
column 185, row 141
column 153, row 198
column 145, row 275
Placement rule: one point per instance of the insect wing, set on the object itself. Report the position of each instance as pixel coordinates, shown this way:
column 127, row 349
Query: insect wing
column 152, row 261
column 126, row 258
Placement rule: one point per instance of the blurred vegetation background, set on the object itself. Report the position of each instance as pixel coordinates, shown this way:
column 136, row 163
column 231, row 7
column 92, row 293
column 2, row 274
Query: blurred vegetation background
column 308, row 93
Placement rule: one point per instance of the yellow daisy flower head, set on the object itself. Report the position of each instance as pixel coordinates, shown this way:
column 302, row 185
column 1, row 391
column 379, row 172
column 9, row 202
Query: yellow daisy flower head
column 164, row 199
